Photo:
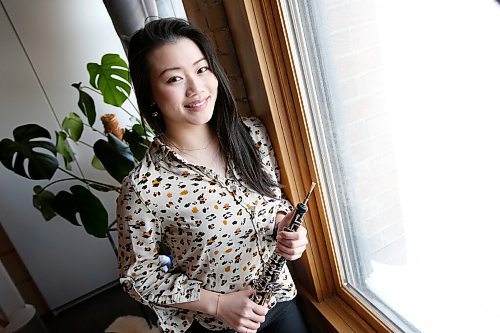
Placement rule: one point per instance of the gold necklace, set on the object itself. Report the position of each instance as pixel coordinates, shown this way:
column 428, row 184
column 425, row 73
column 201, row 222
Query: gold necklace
column 189, row 149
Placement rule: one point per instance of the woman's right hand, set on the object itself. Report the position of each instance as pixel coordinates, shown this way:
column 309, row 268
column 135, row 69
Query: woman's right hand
column 240, row 312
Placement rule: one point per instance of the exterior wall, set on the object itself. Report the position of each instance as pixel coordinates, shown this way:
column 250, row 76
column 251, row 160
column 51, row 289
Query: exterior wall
column 352, row 32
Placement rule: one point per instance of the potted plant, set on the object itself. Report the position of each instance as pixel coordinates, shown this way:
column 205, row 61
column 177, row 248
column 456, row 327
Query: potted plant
column 33, row 152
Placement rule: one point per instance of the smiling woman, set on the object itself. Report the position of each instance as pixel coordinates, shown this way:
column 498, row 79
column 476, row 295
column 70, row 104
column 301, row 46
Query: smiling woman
column 184, row 93
column 207, row 190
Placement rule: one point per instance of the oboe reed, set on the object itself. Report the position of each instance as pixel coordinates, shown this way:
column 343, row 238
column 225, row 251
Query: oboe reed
column 309, row 193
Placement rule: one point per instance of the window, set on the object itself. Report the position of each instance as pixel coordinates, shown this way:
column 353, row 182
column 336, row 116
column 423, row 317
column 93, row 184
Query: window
column 401, row 103
column 170, row 8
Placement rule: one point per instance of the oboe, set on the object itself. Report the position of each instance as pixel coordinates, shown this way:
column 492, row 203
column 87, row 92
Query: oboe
column 267, row 282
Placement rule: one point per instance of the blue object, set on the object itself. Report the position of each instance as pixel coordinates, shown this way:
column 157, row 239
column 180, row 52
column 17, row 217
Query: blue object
column 166, row 262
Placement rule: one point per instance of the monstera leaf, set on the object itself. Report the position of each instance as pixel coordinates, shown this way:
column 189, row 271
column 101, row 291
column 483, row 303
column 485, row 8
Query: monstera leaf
column 64, row 149
column 43, row 201
column 82, row 202
column 73, row 125
column 14, row 153
column 111, row 78
column 85, row 103
column 115, row 155
column 97, row 164
column 135, row 139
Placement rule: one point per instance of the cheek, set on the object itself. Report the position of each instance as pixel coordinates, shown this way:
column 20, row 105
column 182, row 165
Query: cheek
column 166, row 94
column 214, row 83
column 210, row 80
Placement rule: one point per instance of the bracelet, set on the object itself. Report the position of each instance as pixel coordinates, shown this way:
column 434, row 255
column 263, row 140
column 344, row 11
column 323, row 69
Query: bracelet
column 217, row 307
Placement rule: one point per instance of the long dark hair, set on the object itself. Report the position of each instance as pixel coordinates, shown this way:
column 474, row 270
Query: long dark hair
column 234, row 138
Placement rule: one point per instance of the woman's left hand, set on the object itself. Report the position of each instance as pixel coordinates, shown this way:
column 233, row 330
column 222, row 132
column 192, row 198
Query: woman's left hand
column 290, row 245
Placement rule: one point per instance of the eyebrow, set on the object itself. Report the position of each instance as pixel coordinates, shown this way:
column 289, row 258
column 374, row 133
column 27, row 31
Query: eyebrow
column 176, row 68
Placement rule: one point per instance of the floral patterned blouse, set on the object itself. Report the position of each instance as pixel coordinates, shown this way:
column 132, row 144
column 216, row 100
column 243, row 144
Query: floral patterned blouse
column 218, row 230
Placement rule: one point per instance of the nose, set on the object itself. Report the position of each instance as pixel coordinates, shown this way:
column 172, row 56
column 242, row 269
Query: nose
column 193, row 86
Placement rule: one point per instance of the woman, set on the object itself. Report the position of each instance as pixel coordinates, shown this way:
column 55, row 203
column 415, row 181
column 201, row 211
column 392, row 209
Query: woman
column 207, row 190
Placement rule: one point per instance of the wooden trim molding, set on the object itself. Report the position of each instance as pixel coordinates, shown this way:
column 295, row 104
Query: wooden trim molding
column 262, row 46
column 266, row 77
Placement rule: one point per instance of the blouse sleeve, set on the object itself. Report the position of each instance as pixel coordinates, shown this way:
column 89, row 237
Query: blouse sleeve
column 265, row 147
column 139, row 235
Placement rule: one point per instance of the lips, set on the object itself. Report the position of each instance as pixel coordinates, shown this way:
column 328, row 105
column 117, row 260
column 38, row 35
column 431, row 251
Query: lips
column 198, row 104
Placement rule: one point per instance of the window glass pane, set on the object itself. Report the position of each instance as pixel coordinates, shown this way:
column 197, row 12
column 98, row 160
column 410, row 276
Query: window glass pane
column 403, row 104
column 170, row 8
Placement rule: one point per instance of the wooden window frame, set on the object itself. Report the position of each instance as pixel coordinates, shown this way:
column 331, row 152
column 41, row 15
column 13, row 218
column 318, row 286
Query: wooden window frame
column 262, row 47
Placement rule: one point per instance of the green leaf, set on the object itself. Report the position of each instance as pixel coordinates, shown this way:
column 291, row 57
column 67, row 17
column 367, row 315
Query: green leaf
column 43, row 200
column 73, row 125
column 116, row 157
column 82, row 202
column 111, row 78
column 14, row 153
column 96, row 163
column 86, row 103
column 64, row 149
column 138, row 129
column 138, row 145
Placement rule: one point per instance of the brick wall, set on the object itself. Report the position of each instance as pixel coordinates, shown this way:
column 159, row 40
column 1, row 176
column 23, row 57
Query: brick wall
column 371, row 168
column 210, row 17
column 19, row 274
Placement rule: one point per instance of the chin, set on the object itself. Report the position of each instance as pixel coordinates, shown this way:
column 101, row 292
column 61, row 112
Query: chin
column 202, row 119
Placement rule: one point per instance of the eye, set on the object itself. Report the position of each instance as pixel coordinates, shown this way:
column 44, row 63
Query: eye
column 174, row 79
column 203, row 69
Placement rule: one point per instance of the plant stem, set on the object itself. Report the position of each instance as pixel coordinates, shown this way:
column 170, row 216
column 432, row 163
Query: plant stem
column 92, row 89
column 86, row 144
column 112, row 224
column 131, row 115
column 89, row 181
column 125, row 110
column 133, row 105
column 95, row 130
column 56, row 181
column 112, row 242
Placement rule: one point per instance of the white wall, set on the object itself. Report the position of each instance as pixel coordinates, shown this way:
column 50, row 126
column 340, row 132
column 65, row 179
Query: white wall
column 60, row 37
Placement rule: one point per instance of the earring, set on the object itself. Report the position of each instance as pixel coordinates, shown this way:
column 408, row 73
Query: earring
column 153, row 113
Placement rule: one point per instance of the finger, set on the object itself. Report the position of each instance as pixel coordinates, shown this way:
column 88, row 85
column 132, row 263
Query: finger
column 292, row 236
column 292, row 243
column 248, row 292
column 280, row 217
column 292, row 257
column 246, row 324
column 246, row 330
column 282, row 249
column 288, row 252
column 260, row 311
column 251, row 325
column 301, row 233
column 285, row 221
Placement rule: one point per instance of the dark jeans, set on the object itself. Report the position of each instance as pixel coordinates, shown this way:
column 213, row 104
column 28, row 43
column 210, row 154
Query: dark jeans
column 285, row 317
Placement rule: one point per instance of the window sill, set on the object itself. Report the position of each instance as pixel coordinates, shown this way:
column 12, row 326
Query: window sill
column 333, row 314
